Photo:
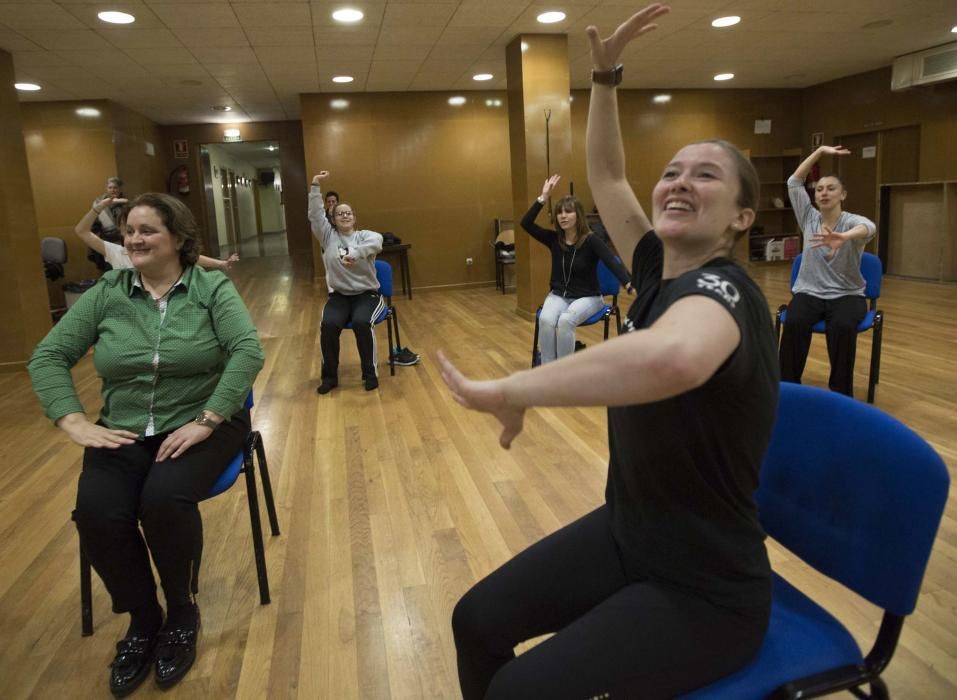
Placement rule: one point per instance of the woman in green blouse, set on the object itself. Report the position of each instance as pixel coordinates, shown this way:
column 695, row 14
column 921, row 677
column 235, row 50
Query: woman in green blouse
column 178, row 354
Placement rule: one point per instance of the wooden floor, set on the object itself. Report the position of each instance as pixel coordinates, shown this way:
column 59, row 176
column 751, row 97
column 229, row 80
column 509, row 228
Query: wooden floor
column 392, row 503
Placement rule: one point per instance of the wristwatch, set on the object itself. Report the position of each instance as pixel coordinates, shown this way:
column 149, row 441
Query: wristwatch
column 205, row 421
column 608, row 77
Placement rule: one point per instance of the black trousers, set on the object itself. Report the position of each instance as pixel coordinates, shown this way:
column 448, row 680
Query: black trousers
column 359, row 310
column 841, row 316
column 629, row 639
column 124, row 488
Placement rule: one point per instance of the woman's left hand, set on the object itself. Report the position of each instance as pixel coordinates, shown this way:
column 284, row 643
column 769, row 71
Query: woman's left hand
column 181, row 439
column 348, row 260
column 486, row 396
column 828, row 238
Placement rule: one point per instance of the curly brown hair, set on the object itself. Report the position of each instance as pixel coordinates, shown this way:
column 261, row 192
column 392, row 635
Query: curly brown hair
column 178, row 220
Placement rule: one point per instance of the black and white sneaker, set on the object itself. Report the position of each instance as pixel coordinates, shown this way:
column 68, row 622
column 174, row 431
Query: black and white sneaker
column 405, row 357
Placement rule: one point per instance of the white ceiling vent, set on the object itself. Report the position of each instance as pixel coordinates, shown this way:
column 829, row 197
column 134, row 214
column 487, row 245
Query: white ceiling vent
column 926, row 67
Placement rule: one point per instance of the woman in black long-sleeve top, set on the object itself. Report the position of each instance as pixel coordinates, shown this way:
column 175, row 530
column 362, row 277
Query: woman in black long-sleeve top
column 575, row 295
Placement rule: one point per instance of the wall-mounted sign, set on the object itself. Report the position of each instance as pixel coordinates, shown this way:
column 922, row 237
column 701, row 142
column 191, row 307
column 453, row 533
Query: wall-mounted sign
column 150, row 150
column 869, row 152
column 817, row 139
column 762, row 126
column 180, row 148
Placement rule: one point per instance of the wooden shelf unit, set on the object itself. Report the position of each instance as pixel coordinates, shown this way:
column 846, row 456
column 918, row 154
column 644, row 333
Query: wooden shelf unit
column 774, row 224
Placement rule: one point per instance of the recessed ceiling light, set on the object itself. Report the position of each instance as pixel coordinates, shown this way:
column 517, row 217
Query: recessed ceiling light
column 116, row 17
column 347, row 15
column 661, row 99
column 339, row 104
column 493, row 103
column 222, row 108
column 457, row 101
column 27, row 87
column 954, row 30
column 88, row 112
column 343, row 79
column 729, row 21
column 724, row 76
column 483, row 76
column 550, row 17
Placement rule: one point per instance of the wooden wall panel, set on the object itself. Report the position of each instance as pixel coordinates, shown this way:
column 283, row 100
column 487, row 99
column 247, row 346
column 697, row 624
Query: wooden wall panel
column 132, row 134
column 24, row 304
column 434, row 174
column 70, row 158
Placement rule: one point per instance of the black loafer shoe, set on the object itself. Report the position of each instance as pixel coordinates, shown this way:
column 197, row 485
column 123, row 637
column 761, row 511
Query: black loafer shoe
column 327, row 386
column 131, row 665
column 175, row 653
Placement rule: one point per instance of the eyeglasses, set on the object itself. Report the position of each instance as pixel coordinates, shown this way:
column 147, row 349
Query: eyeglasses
column 343, row 213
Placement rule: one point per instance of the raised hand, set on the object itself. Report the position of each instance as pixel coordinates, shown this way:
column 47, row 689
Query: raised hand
column 321, row 176
column 108, row 202
column 606, row 52
column 484, row 396
column 549, row 186
column 833, row 150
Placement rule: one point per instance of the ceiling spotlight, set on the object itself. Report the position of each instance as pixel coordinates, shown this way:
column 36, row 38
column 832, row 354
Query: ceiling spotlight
column 116, row 17
column 726, row 21
column 457, row 101
column 347, row 15
column 339, row 104
column 724, row 76
column 27, row 87
column 222, row 108
column 483, row 76
column 550, row 17
column 343, row 79
column 954, row 30
column 661, row 99
column 88, row 112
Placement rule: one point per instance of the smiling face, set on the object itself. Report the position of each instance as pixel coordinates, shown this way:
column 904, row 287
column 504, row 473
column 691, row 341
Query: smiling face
column 829, row 193
column 696, row 201
column 149, row 243
column 345, row 218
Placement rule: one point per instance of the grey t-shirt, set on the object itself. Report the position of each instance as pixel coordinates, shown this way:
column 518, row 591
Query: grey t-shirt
column 361, row 245
column 821, row 276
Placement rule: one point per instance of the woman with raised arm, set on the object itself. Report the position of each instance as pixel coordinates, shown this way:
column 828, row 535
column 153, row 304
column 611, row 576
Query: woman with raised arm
column 666, row 586
column 575, row 295
column 829, row 285
column 116, row 255
column 349, row 258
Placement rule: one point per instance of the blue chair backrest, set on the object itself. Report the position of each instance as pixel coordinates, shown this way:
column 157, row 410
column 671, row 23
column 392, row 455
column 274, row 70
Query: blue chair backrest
column 383, row 272
column 871, row 269
column 231, row 473
column 853, row 492
column 607, row 282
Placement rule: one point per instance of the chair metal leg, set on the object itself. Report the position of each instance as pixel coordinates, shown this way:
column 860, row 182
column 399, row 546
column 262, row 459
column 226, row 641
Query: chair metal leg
column 535, row 342
column 618, row 320
column 879, row 689
column 86, row 596
column 267, row 484
column 876, row 344
column 607, row 324
column 253, row 499
column 392, row 348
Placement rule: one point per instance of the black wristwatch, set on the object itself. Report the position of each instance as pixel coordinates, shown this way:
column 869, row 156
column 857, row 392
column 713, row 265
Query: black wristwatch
column 205, row 421
column 608, row 77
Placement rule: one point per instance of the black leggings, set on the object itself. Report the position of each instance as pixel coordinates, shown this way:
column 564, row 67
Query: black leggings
column 841, row 317
column 613, row 638
column 359, row 310
column 122, row 488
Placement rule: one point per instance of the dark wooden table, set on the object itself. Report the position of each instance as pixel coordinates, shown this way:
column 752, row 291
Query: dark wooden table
column 402, row 250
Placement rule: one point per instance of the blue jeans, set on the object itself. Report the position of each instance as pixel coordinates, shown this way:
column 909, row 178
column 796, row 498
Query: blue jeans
column 557, row 322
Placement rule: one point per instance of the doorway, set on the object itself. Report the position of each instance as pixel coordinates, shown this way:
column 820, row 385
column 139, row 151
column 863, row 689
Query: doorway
column 244, row 201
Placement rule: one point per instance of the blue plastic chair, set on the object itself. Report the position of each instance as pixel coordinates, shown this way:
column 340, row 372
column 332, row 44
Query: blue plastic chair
column 872, row 271
column 383, row 273
column 609, row 286
column 243, row 463
column 862, row 505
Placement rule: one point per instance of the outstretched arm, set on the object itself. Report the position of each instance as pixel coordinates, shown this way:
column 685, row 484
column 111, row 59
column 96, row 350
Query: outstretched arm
column 621, row 212
column 680, row 352
column 216, row 263
column 321, row 228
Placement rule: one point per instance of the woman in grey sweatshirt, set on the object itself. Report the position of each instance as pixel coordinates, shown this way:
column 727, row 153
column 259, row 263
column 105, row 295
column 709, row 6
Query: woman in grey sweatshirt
column 829, row 285
column 348, row 255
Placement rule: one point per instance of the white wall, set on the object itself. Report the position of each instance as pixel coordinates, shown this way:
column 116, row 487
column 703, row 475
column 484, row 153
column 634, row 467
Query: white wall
column 273, row 216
